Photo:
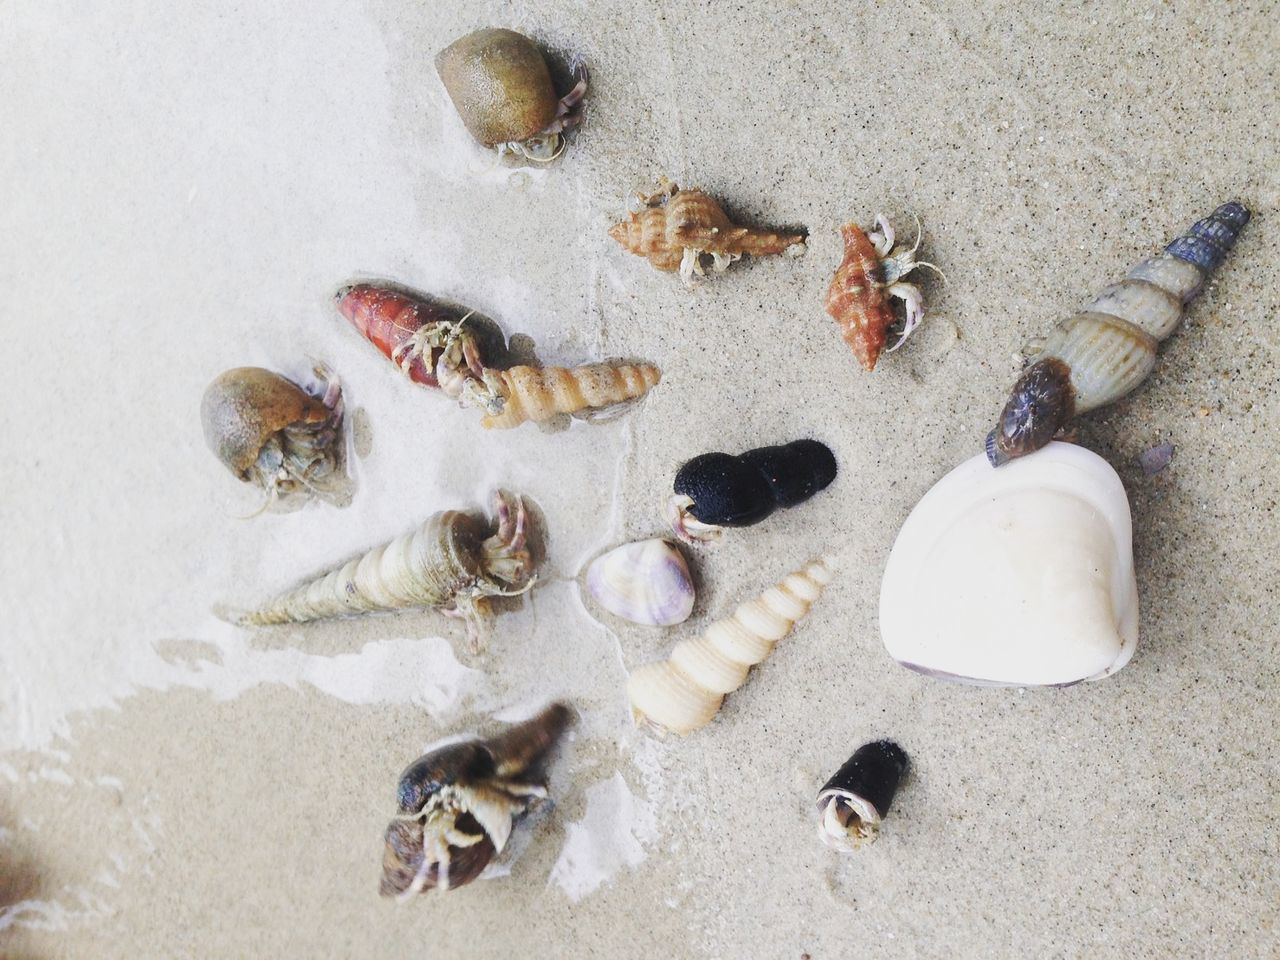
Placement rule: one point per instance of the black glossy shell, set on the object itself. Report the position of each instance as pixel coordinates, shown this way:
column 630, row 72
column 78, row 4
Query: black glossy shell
column 737, row 491
column 872, row 773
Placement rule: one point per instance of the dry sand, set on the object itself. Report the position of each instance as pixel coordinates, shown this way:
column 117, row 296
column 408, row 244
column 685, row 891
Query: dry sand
column 184, row 187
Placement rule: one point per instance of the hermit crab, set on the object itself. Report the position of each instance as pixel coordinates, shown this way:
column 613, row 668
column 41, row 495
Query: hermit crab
column 1100, row 354
column 454, row 562
column 856, row 799
column 675, row 229
column 501, row 87
column 272, row 433
column 435, row 349
column 459, row 803
column 717, row 490
column 871, row 273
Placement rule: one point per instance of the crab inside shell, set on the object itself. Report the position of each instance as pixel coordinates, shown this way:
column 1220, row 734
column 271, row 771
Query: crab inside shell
column 501, row 86
column 458, row 804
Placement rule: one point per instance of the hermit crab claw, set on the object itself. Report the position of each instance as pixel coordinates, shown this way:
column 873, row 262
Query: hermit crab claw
column 686, row 526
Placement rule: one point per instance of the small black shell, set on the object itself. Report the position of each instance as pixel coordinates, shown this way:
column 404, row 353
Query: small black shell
column 871, row 774
column 737, row 491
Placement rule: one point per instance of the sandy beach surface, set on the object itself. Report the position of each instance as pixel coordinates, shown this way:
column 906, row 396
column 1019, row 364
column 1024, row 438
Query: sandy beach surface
column 185, row 186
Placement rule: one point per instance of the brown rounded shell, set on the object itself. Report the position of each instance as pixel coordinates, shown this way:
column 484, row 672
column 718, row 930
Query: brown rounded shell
column 402, row 857
column 243, row 408
column 500, row 85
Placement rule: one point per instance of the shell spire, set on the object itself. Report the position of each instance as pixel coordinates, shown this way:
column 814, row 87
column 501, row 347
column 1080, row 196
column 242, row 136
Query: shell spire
column 683, row 693
column 1103, row 352
column 674, row 229
column 538, row 393
column 452, row 562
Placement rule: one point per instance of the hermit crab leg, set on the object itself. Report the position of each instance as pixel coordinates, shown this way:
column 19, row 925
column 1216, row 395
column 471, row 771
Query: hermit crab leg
column 882, row 236
column 569, row 112
column 688, row 527
column 911, row 297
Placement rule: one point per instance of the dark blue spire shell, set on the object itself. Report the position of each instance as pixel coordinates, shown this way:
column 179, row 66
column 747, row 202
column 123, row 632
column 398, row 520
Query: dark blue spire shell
column 1208, row 240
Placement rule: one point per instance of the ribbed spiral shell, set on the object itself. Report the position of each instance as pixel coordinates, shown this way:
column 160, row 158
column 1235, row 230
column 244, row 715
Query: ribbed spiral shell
column 683, row 693
column 1110, row 345
column 538, row 393
column 676, row 220
column 1106, row 350
column 431, row 566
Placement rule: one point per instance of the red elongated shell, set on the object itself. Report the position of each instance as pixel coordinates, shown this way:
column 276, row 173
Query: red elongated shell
column 388, row 319
column 856, row 297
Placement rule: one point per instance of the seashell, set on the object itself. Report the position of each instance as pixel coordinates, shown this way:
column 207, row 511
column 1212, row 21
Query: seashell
column 1020, row 576
column 676, row 228
column 539, row 393
column 870, row 274
column 854, row 801
column 458, row 804
column 1099, row 355
column 1154, row 459
column 646, row 582
column 718, row 490
column 270, row 432
column 453, row 562
column 501, row 87
column 413, row 334
column 684, row 693
column 435, row 350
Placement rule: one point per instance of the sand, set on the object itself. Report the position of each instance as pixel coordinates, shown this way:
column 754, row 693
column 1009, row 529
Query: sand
column 186, row 186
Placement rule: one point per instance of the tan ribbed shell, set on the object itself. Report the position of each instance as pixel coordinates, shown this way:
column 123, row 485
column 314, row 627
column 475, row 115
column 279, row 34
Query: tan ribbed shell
column 432, row 566
column 676, row 220
column 1110, row 345
column 538, row 393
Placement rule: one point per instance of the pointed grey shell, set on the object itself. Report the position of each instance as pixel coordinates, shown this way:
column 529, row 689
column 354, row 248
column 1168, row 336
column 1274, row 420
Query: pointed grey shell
column 645, row 582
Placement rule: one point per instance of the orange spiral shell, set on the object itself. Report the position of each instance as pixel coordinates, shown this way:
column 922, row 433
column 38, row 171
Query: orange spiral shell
column 538, row 393
column 856, row 297
column 692, row 220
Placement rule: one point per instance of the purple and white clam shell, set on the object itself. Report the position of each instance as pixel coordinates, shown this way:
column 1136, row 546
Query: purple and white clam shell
column 645, row 582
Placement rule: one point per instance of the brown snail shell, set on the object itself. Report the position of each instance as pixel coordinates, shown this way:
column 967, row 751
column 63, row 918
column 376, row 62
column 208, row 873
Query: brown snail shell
column 1108, row 348
column 502, row 89
column 539, row 393
column 457, row 804
column 269, row 431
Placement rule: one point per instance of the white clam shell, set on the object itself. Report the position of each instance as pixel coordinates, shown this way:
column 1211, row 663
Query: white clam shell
column 646, row 582
column 1020, row 575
